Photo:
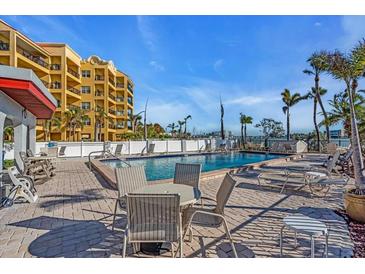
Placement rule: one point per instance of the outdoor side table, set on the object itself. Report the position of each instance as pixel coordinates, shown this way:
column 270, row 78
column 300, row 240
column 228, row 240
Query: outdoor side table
column 300, row 223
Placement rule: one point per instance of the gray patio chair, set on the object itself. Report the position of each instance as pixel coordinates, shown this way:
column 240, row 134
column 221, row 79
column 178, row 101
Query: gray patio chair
column 62, row 150
column 151, row 148
column 211, row 217
column 23, row 186
column 153, row 218
column 38, row 170
column 187, row 174
column 330, row 165
column 129, row 179
column 345, row 159
column 118, row 150
column 47, row 163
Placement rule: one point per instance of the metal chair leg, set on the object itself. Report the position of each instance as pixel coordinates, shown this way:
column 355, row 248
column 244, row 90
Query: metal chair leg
column 281, row 241
column 312, row 247
column 326, row 247
column 230, row 238
column 115, row 214
column 172, row 250
column 124, row 246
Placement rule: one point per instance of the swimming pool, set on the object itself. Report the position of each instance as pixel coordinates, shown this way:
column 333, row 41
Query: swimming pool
column 163, row 167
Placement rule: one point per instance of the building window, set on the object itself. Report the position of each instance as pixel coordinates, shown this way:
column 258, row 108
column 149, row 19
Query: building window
column 85, row 105
column 87, row 121
column 85, row 89
column 86, row 73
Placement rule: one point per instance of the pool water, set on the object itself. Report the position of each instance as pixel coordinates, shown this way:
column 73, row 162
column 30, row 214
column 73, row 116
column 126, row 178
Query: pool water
column 163, row 167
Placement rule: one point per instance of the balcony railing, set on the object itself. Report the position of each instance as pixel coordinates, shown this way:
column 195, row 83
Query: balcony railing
column 111, row 80
column 119, row 126
column 35, row 59
column 111, row 126
column 73, row 72
column 112, row 111
column 130, row 101
column 119, row 99
column 130, row 88
column 99, row 78
column 55, row 67
column 55, row 85
column 99, row 93
column 112, row 97
column 120, row 113
column 70, row 107
column 97, row 108
column 73, row 90
column 4, row 46
column 120, row 85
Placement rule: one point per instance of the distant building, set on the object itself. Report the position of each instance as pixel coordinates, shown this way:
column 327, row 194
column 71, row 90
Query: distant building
column 338, row 133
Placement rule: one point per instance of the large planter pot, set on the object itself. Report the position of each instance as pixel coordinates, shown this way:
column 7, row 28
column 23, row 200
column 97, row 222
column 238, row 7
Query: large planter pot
column 355, row 206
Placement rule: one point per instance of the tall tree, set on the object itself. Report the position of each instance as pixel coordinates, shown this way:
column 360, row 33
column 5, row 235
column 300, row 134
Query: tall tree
column 289, row 101
column 48, row 124
column 270, row 129
column 313, row 95
column 244, row 120
column 100, row 117
column 8, row 133
column 185, row 120
column 181, row 123
column 318, row 63
column 222, row 122
column 349, row 68
column 75, row 118
column 173, row 127
column 144, row 121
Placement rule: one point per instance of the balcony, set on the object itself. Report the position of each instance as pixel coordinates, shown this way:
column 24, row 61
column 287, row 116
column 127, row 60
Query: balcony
column 55, row 85
column 73, row 90
column 120, row 85
column 70, row 107
column 73, row 73
column 119, row 99
column 112, row 112
column 120, row 125
column 112, row 97
column 4, row 46
column 98, row 108
column 120, row 113
column 111, row 81
column 130, row 101
column 36, row 59
column 130, row 88
column 46, row 84
column 111, row 126
column 99, row 78
column 55, row 67
column 99, row 93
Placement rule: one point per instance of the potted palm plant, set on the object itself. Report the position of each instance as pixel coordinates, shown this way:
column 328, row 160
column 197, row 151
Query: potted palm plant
column 349, row 68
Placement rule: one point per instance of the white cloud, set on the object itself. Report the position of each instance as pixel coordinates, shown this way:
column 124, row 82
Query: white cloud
column 317, row 24
column 145, row 28
column 218, row 64
column 156, row 66
column 252, row 100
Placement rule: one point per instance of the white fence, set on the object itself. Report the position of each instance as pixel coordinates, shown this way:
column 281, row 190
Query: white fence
column 82, row 149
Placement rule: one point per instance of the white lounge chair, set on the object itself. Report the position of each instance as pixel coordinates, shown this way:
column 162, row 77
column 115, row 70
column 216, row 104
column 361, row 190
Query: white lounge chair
column 23, row 186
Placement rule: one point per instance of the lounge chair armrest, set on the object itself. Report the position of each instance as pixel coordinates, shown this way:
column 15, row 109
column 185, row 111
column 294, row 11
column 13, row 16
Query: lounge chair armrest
column 208, row 199
column 206, row 212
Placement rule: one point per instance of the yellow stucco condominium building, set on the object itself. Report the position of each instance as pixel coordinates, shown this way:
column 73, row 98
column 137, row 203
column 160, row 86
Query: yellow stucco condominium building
column 92, row 86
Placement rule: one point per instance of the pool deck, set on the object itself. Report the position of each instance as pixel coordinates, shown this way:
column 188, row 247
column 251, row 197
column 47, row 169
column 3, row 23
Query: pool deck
column 72, row 217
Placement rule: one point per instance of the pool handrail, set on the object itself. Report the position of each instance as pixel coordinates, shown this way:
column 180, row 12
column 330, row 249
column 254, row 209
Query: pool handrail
column 106, row 153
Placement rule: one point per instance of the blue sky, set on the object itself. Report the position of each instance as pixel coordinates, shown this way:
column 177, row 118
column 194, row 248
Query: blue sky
column 184, row 63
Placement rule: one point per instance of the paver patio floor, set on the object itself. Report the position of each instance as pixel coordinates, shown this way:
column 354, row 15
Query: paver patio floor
column 72, row 218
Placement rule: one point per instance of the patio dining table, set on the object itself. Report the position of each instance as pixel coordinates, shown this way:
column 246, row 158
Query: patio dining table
column 188, row 196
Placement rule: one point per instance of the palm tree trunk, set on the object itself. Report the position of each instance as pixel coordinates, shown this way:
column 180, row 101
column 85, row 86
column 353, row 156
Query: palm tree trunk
column 316, row 83
column 355, row 139
column 242, row 141
column 185, row 128
column 245, row 140
column 288, row 125
column 73, row 133
column 316, row 125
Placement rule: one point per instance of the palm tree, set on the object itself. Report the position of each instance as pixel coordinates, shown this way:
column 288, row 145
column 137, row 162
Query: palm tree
column 349, row 68
column 100, row 116
column 313, row 95
column 222, row 119
column 244, row 120
column 8, row 133
column 340, row 112
column 47, row 126
column 75, row 118
column 289, row 101
column 135, row 119
column 185, row 121
column 173, row 126
column 181, row 123
column 319, row 65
